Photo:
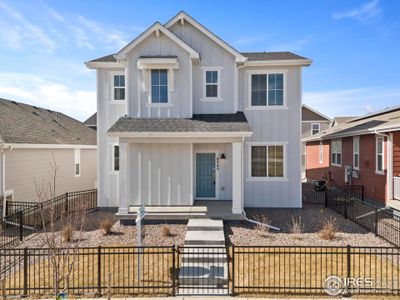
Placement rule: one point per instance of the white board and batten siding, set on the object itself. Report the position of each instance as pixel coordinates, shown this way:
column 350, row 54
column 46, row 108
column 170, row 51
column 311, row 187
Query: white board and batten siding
column 274, row 126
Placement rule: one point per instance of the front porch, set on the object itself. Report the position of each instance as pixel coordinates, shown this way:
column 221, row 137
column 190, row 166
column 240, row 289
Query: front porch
column 211, row 209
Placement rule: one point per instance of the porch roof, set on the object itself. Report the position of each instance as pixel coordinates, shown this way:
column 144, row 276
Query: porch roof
column 199, row 123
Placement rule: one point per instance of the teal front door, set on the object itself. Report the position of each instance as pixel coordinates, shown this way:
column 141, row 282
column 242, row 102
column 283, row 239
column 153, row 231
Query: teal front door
column 205, row 175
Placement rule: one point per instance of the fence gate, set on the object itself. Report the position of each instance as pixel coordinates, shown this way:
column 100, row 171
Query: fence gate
column 203, row 271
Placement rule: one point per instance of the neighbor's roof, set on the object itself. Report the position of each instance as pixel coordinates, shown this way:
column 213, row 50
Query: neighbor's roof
column 341, row 120
column 260, row 56
column 25, row 124
column 382, row 121
column 91, row 121
column 199, row 123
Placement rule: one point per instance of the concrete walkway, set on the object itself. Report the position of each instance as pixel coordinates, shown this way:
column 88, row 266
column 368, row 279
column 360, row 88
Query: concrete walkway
column 204, row 268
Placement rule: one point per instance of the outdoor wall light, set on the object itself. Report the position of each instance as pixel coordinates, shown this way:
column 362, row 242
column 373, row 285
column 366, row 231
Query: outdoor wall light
column 223, row 156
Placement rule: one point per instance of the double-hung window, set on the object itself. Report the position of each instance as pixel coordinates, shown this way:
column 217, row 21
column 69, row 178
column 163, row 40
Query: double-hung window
column 115, row 158
column 267, row 161
column 315, row 128
column 379, row 155
column 336, row 152
column 267, row 89
column 356, row 153
column 159, row 86
column 77, row 162
column 212, row 83
column 118, row 90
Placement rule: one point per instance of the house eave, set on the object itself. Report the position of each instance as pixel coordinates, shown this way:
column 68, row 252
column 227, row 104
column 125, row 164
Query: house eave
column 103, row 65
column 287, row 62
column 45, row 146
column 232, row 134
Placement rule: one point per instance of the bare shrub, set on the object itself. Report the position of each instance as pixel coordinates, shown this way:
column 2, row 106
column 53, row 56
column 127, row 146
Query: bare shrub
column 166, row 231
column 106, row 226
column 67, row 233
column 328, row 229
column 296, row 226
column 262, row 229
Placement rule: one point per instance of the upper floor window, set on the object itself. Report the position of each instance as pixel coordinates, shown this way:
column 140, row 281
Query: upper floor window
column 118, row 87
column 267, row 161
column 211, row 84
column 159, row 86
column 336, row 152
column 267, row 89
column 379, row 155
column 315, row 128
column 356, row 153
column 77, row 162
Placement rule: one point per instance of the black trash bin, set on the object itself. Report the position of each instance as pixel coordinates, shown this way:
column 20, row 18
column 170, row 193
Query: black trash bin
column 320, row 185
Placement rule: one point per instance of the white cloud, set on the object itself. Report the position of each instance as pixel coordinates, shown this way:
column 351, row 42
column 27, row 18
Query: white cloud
column 46, row 93
column 356, row 101
column 248, row 40
column 368, row 12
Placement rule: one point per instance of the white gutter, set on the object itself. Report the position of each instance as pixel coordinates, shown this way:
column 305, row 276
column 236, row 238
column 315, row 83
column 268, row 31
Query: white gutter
column 3, row 149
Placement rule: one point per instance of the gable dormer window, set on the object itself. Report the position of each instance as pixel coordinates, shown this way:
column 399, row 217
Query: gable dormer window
column 118, row 86
column 159, row 86
column 211, row 84
column 267, row 89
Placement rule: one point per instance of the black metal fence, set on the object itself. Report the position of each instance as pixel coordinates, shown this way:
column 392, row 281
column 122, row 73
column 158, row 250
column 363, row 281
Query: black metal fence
column 25, row 218
column 173, row 270
column 349, row 202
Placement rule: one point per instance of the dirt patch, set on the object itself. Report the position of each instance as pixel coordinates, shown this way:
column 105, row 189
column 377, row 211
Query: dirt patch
column 348, row 233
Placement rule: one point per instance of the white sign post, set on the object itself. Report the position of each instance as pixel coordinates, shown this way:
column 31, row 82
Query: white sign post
column 140, row 235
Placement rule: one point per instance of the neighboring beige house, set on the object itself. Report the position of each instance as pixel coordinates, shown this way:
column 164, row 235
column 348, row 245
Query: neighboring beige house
column 31, row 138
column 312, row 122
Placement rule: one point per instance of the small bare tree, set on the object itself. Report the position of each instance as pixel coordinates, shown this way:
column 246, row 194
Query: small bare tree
column 55, row 221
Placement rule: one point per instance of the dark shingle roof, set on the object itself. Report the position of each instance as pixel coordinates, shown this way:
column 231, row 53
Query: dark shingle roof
column 107, row 58
column 23, row 123
column 91, row 121
column 199, row 123
column 258, row 56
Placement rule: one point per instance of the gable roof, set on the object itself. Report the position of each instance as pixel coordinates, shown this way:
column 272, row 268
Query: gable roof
column 341, row 120
column 323, row 117
column 389, row 120
column 156, row 27
column 283, row 55
column 183, row 15
column 91, row 121
column 26, row 124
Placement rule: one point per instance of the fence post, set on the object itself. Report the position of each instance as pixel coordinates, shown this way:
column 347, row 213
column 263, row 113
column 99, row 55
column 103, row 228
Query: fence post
column 99, row 271
column 345, row 206
column 21, row 225
column 348, row 261
column 326, row 198
column 233, row 269
column 376, row 221
column 174, row 271
column 25, row 271
column 66, row 202
column 362, row 193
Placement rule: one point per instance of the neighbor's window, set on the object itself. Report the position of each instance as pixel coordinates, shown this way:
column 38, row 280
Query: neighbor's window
column 267, row 89
column 119, row 87
column 356, row 153
column 77, row 153
column 315, row 128
column 336, row 152
column 159, row 86
column 211, row 84
column 267, row 161
column 321, row 152
column 379, row 154
column 115, row 158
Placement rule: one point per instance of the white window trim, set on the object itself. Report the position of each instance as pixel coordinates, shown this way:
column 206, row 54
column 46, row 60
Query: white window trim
column 170, row 82
column 341, row 155
column 77, row 160
column 211, row 99
column 321, row 152
column 251, row 178
column 377, row 138
column 267, row 107
column 356, row 139
column 113, row 171
column 319, row 128
column 112, row 74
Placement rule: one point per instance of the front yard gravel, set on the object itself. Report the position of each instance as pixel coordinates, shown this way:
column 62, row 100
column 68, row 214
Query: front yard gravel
column 243, row 233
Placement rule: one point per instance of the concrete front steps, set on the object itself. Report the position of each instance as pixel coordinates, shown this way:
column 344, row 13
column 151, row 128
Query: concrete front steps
column 204, row 268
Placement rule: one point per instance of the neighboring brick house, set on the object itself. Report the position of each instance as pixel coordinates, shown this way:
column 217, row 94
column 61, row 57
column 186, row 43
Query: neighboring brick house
column 312, row 122
column 366, row 147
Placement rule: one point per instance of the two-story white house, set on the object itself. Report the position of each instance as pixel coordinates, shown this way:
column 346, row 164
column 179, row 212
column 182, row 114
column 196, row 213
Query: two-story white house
column 183, row 116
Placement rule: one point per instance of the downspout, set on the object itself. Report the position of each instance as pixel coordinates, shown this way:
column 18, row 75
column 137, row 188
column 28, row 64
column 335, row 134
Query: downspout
column 389, row 171
column 3, row 149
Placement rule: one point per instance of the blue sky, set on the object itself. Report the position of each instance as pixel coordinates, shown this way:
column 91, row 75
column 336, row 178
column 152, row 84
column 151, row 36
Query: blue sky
column 355, row 46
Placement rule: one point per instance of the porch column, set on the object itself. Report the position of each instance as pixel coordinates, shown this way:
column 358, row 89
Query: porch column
column 237, row 180
column 123, row 180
